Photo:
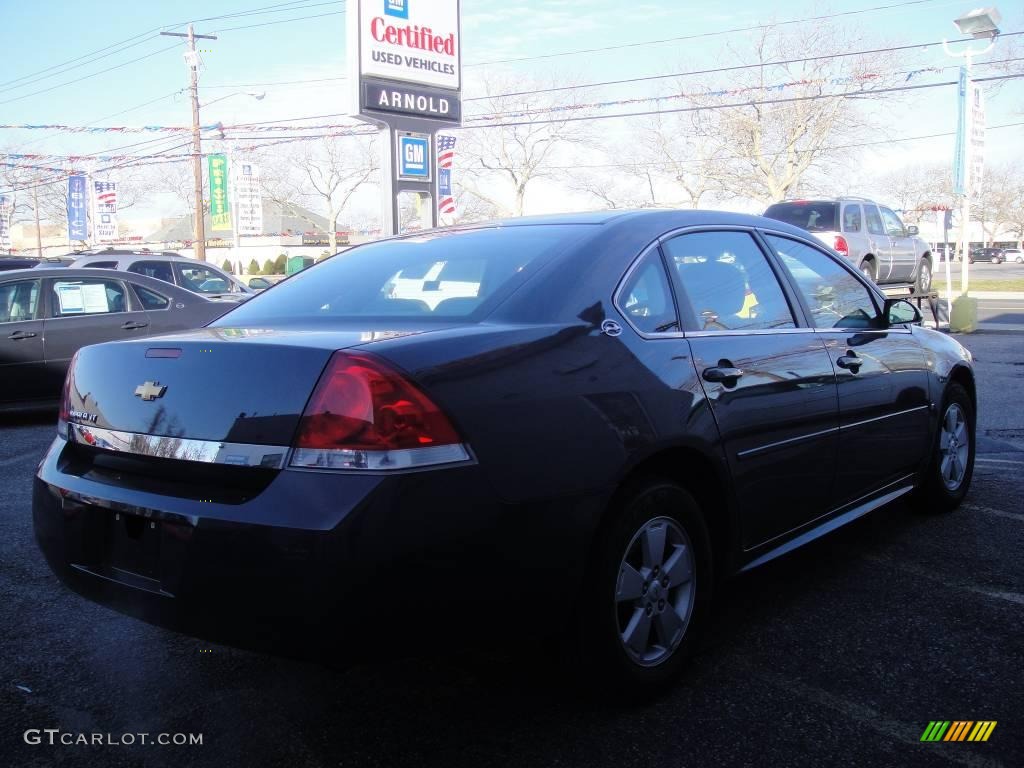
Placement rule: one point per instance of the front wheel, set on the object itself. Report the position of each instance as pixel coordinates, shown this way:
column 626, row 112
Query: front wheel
column 647, row 590
column 951, row 468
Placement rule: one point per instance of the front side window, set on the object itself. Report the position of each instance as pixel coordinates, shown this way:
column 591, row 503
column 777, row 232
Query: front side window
column 646, row 298
column 88, row 297
column 874, row 220
column 19, row 301
column 160, row 270
column 728, row 281
column 893, row 226
column 835, row 297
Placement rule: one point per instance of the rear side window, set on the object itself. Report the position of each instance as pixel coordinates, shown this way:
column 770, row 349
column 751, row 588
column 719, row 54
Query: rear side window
column 151, row 299
column 812, row 216
column 451, row 274
column 101, row 265
column 851, row 218
column 19, row 301
column 161, row 270
column 728, row 281
column 646, row 298
column 874, row 220
column 88, row 297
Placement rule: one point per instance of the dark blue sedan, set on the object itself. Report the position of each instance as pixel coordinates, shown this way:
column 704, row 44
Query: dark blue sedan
column 564, row 427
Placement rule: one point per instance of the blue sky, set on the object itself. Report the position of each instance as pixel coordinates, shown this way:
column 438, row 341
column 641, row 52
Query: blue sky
column 40, row 34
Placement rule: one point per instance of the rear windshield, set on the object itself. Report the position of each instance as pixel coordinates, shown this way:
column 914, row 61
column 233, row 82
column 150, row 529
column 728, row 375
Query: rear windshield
column 437, row 275
column 812, row 216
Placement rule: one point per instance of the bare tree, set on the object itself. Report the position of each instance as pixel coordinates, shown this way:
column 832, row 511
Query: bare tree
column 1014, row 211
column 916, row 189
column 323, row 175
column 762, row 151
column 502, row 162
column 993, row 206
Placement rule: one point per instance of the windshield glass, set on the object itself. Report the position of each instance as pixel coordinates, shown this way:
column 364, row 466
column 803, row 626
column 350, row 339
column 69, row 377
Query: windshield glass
column 439, row 275
column 812, row 216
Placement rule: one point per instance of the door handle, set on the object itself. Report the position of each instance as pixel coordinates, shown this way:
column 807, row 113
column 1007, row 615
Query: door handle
column 850, row 361
column 19, row 335
column 132, row 325
column 722, row 374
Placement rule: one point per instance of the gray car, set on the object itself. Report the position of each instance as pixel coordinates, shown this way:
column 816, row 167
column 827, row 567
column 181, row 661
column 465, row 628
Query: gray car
column 869, row 235
column 46, row 315
column 190, row 274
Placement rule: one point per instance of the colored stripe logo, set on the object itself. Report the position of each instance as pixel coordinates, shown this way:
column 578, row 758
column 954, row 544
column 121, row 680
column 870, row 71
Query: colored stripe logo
column 958, row 730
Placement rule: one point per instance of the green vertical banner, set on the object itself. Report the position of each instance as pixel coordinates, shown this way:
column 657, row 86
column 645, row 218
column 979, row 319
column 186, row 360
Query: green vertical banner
column 220, row 214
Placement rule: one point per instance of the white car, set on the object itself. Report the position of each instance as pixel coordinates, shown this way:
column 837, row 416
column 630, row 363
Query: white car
column 192, row 275
column 1015, row 255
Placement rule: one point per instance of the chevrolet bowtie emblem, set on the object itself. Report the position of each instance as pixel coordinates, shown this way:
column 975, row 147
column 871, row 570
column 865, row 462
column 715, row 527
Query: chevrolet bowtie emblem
column 151, row 390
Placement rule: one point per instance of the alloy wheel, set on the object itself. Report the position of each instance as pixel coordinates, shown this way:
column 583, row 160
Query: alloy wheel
column 924, row 277
column 954, row 447
column 655, row 593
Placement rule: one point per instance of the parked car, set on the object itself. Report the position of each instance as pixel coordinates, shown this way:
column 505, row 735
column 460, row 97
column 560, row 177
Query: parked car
column 261, row 282
column 870, row 236
column 1015, row 255
column 8, row 263
column 196, row 276
column 628, row 407
column 991, row 255
column 46, row 315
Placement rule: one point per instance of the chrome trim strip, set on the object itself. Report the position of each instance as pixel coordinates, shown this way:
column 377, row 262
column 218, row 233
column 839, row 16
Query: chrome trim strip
column 856, row 424
column 784, row 443
column 179, row 448
column 831, row 521
column 841, row 428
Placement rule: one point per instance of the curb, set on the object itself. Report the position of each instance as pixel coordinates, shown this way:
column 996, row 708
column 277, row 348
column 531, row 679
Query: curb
column 996, row 295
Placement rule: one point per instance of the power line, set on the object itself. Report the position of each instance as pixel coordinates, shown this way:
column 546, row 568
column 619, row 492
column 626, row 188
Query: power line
column 699, row 35
column 280, row 21
column 86, row 77
column 732, row 68
column 733, row 105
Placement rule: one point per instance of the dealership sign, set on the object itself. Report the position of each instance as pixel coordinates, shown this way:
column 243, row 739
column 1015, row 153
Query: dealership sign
column 407, row 54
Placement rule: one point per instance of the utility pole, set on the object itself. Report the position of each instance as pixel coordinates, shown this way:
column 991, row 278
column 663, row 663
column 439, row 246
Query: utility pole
column 197, row 148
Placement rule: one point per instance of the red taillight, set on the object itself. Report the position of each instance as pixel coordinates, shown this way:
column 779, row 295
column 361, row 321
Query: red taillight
column 841, row 246
column 361, row 404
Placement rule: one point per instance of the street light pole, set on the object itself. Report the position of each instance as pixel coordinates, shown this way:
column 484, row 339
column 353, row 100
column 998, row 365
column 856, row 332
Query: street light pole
column 192, row 60
column 979, row 23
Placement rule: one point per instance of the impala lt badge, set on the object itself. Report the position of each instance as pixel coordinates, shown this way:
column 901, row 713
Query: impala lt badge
column 151, row 390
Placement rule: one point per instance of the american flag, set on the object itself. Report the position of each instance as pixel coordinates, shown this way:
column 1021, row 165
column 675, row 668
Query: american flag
column 446, row 205
column 445, row 151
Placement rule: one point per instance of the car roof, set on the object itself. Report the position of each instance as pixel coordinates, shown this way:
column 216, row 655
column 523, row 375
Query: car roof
column 71, row 273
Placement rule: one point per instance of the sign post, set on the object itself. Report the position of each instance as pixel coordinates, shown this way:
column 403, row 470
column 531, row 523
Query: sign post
column 405, row 64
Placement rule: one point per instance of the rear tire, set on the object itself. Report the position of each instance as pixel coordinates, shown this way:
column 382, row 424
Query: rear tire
column 869, row 269
column 924, row 276
column 951, row 467
column 647, row 591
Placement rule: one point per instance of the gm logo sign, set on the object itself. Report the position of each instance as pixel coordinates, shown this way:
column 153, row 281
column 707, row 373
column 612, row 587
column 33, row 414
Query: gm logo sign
column 397, row 8
column 414, row 157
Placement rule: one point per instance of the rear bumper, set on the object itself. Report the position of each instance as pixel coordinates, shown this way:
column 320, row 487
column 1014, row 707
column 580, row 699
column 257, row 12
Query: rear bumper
column 315, row 555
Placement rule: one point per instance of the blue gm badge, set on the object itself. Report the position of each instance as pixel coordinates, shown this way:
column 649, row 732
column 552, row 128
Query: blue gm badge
column 414, row 157
column 397, row 8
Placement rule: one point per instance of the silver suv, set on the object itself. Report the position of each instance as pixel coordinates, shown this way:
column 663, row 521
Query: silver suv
column 192, row 275
column 870, row 235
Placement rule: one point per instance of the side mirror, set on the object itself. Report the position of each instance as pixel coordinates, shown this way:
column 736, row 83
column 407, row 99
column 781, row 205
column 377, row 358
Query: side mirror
column 901, row 312
column 912, row 230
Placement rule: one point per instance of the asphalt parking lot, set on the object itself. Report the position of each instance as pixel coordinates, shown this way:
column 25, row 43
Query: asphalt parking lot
column 838, row 655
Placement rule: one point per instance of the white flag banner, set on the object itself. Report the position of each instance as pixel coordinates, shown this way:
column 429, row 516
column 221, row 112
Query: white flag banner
column 6, row 212
column 248, row 199
column 104, row 211
column 975, row 138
